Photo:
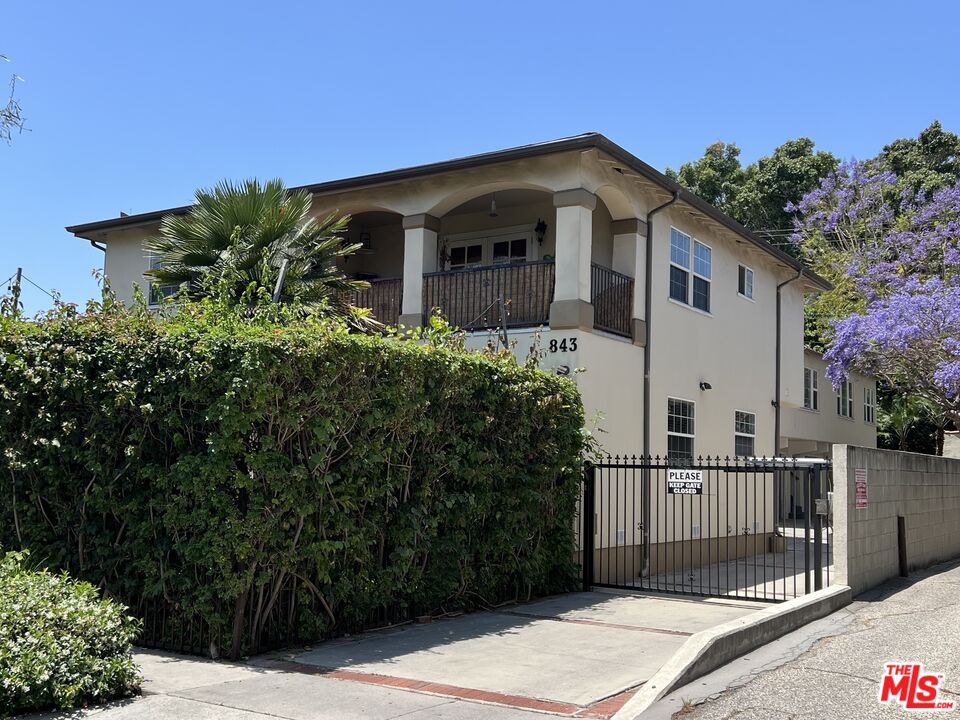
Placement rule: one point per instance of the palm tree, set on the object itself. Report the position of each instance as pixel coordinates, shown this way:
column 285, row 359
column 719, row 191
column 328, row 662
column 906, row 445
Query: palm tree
column 238, row 237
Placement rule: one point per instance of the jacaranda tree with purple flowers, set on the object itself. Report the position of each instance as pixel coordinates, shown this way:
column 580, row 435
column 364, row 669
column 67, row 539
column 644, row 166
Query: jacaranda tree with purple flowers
column 894, row 257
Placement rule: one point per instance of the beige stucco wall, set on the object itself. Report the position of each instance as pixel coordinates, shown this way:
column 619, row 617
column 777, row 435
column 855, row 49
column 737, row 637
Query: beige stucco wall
column 810, row 432
column 125, row 261
column 733, row 347
column 608, row 372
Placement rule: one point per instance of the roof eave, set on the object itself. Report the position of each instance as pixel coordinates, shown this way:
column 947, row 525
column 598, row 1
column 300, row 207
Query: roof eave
column 577, row 142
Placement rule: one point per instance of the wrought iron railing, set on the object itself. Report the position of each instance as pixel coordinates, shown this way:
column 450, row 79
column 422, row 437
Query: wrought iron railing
column 383, row 297
column 470, row 298
column 612, row 297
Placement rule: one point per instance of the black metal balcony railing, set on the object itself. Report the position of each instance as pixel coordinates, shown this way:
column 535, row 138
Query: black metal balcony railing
column 469, row 298
column 612, row 297
column 384, row 298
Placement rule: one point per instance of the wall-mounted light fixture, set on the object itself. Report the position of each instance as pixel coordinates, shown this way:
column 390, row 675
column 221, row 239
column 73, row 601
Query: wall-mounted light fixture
column 704, row 385
column 540, row 230
column 493, row 205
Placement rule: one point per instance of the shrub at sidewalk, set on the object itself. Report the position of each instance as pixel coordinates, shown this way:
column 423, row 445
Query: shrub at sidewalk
column 242, row 481
column 60, row 644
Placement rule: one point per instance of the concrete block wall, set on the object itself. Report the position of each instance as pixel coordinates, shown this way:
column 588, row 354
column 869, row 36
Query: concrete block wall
column 923, row 489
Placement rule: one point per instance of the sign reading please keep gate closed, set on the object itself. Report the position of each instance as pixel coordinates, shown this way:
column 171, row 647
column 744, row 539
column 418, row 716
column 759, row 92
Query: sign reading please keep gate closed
column 685, row 482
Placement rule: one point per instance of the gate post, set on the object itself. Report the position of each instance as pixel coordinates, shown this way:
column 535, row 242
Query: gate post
column 817, row 475
column 808, row 508
column 589, row 513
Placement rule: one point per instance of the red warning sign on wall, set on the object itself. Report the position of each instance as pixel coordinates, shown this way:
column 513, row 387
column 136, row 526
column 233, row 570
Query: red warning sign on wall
column 860, row 483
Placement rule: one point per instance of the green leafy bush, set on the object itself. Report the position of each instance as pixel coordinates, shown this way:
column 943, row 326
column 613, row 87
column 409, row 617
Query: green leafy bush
column 243, row 481
column 60, row 644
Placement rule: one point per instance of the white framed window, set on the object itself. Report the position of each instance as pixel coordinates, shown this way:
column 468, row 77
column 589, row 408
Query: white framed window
column 680, row 429
column 690, row 282
column 501, row 246
column 811, row 389
column 464, row 255
column 745, row 281
column 845, row 399
column 159, row 291
column 869, row 405
column 744, row 433
column 679, row 265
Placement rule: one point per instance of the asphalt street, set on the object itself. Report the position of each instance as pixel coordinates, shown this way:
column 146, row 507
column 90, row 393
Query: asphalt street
column 833, row 668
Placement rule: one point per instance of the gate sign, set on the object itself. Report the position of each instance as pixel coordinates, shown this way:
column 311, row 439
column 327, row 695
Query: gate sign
column 685, row 482
column 860, row 486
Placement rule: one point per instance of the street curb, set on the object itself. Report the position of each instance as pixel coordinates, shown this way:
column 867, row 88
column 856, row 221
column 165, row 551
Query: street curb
column 709, row 649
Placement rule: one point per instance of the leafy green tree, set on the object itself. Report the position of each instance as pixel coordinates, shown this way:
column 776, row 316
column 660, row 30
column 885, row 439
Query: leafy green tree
column 757, row 196
column 716, row 176
column 927, row 163
column 239, row 240
column 773, row 182
column 904, row 422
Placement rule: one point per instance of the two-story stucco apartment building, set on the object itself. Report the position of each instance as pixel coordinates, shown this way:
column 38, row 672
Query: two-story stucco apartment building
column 688, row 327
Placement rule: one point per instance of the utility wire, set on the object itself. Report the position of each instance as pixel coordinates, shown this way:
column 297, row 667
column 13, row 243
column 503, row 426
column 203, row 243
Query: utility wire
column 51, row 295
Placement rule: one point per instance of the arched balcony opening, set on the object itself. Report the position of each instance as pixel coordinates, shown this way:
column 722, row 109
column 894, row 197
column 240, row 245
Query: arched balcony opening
column 379, row 261
column 495, row 263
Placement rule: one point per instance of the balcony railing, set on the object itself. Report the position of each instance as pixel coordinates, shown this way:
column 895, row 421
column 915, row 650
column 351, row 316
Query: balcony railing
column 612, row 297
column 384, row 297
column 470, row 298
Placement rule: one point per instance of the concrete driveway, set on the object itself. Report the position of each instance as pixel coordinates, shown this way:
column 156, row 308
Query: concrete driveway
column 563, row 654
column 577, row 655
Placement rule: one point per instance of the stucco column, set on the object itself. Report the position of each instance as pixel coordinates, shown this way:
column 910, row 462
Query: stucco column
column 419, row 257
column 571, row 306
column 629, row 258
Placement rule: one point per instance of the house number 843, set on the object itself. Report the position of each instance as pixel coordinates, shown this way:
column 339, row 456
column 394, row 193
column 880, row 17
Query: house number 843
column 563, row 345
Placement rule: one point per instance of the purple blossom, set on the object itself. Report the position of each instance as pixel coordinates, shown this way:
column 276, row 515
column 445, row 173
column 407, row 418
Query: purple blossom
column 902, row 250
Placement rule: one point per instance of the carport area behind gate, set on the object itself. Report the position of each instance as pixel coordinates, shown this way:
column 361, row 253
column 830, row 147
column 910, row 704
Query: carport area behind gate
column 744, row 528
column 578, row 655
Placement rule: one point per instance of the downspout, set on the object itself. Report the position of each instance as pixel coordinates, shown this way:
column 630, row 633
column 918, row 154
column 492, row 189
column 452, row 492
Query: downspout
column 101, row 248
column 647, row 304
column 776, row 402
column 647, row 316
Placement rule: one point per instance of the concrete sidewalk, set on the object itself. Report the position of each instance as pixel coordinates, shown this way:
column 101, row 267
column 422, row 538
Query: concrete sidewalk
column 563, row 655
column 576, row 655
column 181, row 688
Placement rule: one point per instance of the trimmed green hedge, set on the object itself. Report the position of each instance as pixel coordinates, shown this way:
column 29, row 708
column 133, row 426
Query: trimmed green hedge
column 60, row 645
column 242, row 482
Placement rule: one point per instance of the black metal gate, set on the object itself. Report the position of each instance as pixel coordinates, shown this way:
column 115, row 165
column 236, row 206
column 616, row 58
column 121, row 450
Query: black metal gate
column 754, row 529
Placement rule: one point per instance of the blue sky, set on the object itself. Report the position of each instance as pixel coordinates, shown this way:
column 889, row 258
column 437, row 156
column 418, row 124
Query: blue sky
column 132, row 106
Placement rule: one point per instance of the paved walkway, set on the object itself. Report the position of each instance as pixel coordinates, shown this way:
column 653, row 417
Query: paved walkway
column 767, row 576
column 577, row 655
column 831, row 669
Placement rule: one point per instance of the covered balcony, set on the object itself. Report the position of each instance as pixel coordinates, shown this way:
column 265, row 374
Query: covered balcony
column 498, row 252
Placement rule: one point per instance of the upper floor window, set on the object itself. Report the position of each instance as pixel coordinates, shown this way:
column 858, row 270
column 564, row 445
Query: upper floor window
column 745, row 281
column 845, row 399
column 159, row 291
column 682, row 289
column 680, row 429
column 510, row 251
column 811, row 389
column 744, row 433
column 466, row 255
column 505, row 246
column 869, row 405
